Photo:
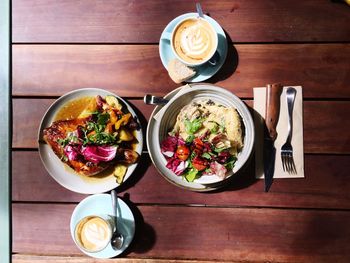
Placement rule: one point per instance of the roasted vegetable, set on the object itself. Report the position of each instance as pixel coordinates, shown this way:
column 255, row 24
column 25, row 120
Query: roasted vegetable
column 113, row 102
column 119, row 172
column 122, row 121
column 127, row 155
column 125, row 135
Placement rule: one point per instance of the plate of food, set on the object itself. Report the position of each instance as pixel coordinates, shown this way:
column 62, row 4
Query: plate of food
column 90, row 140
column 201, row 137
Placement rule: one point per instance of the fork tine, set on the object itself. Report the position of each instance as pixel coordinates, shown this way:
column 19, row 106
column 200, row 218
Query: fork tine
column 291, row 164
column 283, row 162
column 288, row 163
column 293, row 167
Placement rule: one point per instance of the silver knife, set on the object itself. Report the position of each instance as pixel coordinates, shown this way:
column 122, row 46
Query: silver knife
column 273, row 93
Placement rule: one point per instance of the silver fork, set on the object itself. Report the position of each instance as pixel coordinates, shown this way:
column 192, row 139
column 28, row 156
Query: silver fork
column 287, row 148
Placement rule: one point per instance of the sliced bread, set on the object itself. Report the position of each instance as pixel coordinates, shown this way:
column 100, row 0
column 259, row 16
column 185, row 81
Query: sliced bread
column 179, row 72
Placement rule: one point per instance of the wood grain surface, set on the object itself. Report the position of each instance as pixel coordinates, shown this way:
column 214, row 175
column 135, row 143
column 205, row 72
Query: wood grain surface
column 326, row 185
column 123, row 21
column 323, row 123
column 25, row 258
column 181, row 232
column 38, row 70
column 60, row 46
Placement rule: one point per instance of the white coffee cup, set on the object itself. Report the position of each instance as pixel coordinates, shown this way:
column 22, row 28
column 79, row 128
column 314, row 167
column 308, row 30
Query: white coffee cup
column 94, row 232
column 193, row 41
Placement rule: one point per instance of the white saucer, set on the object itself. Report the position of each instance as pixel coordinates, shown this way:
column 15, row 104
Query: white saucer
column 102, row 204
column 205, row 71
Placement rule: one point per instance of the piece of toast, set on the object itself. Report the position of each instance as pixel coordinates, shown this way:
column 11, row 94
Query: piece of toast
column 179, row 72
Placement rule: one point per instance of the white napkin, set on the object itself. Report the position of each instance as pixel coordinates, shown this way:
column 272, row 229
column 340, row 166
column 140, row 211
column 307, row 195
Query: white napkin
column 282, row 130
column 179, row 93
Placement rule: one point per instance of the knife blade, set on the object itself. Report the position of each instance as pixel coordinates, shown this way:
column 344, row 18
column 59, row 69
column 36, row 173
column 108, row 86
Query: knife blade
column 273, row 93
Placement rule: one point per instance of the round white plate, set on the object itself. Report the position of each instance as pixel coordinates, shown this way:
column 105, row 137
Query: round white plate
column 205, row 71
column 61, row 172
column 156, row 133
column 100, row 204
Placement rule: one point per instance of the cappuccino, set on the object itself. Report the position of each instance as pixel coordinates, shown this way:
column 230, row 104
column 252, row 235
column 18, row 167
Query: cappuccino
column 194, row 41
column 93, row 233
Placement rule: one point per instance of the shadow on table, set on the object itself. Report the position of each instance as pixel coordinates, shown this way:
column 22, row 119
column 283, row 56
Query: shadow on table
column 320, row 231
column 230, row 64
column 145, row 236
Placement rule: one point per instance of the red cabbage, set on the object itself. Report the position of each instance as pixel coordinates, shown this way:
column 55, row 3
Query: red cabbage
column 72, row 152
column 96, row 154
column 176, row 165
column 223, row 157
column 169, row 145
column 218, row 169
column 180, row 141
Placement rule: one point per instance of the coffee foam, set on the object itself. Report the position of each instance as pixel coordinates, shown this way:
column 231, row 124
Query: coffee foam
column 93, row 233
column 194, row 40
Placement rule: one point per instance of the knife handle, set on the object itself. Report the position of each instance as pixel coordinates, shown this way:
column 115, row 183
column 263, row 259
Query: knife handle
column 273, row 93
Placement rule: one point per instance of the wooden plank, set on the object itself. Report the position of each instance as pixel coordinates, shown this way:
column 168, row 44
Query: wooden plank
column 52, row 70
column 326, row 185
column 199, row 233
column 322, row 120
column 20, row 258
column 5, row 133
column 143, row 21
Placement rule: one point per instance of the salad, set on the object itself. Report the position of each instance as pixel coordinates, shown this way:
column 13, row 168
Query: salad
column 205, row 140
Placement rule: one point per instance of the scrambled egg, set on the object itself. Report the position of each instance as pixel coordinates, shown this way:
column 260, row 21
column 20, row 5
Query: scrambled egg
column 213, row 120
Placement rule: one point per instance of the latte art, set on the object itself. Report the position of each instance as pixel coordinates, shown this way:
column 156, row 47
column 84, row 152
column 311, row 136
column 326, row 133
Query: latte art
column 93, row 233
column 194, row 40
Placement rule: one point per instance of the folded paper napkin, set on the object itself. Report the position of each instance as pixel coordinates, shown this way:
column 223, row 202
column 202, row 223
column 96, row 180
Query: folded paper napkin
column 164, row 108
column 282, row 131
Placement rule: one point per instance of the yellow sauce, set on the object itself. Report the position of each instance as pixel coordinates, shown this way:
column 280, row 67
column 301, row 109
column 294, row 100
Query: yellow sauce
column 104, row 175
column 72, row 109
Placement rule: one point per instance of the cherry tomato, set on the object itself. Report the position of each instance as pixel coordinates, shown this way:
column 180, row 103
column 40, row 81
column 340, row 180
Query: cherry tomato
column 182, row 152
column 199, row 163
column 198, row 143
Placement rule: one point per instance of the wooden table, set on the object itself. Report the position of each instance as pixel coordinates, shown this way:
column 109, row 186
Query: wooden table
column 59, row 46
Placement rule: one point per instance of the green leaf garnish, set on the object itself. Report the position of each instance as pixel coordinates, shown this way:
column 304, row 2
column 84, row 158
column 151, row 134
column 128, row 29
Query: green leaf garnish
column 102, row 118
column 190, row 138
column 219, row 150
column 192, row 126
column 230, row 163
column 191, row 175
column 69, row 139
column 215, row 127
column 206, row 155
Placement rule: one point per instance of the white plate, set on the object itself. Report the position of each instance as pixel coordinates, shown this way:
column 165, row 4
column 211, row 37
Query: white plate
column 158, row 129
column 206, row 70
column 99, row 204
column 61, row 172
